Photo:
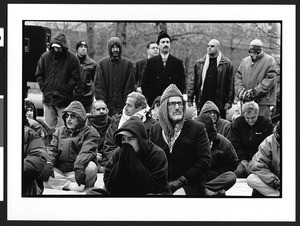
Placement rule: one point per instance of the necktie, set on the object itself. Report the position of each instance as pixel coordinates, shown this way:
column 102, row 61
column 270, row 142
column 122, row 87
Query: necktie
column 164, row 61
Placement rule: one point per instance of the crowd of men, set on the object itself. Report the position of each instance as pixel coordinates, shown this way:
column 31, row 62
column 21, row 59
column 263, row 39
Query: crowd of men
column 130, row 122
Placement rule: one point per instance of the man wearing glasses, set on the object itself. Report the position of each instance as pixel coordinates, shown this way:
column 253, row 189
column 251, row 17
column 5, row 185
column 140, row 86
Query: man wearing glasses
column 185, row 143
column 213, row 80
column 256, row 79
column 72, row 152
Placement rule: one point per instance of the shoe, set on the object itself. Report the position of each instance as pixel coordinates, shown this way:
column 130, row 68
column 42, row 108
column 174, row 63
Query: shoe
column 219, row 193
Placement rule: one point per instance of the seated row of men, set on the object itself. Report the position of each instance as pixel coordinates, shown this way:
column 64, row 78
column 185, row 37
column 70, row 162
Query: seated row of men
column 171, row 154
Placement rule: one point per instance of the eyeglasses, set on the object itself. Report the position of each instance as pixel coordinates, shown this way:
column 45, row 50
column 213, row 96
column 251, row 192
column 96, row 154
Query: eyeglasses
column 173, row 104
column 212, row 46
column 71, row 115
column 98, row 109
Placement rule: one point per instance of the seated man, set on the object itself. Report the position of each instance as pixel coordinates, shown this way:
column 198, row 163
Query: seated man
column 222, row 125
column 38, row 125
column 220, row 177
column 35, row 157
column 265, row 166
column 136, row 104
column 137, row 167
column 185, row 143
column 100, row 120
column 246, row 133
column 72, row 152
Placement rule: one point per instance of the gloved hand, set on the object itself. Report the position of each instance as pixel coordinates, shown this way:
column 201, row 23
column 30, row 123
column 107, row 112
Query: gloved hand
column 48, row 171
column 80, row 176
column 276, row 184
column 176, row 184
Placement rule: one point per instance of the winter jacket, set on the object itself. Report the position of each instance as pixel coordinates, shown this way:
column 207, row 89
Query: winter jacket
column 34, row 160
column 225, row 83
column 110, row 144
column 245, row 138
column 222, row 125
column 73, row 149
column 156, row 78
column 190, row 156
column 58, row 76
column 261, row 76
column 136, row 173
column 101, row 124
column 114, row 79
column 266, row 162
column 84, row 92
column 224, row 157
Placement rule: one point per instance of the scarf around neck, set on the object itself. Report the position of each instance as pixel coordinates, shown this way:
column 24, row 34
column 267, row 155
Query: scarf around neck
column 206, row 65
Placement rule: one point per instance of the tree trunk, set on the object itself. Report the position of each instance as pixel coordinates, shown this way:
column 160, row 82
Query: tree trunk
column 90, row 37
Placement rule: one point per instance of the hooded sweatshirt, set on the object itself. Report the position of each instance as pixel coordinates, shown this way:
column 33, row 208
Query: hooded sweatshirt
column 71, row 149
column 135, row 174
column 114, row 79
column 57, row 76
column 222, row 125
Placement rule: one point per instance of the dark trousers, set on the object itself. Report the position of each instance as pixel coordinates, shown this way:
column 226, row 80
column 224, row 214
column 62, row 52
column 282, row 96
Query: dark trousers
column 223, row 181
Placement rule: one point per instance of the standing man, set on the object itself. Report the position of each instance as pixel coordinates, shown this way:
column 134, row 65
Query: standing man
column 185, row 143
column 84, row 92
column 114, row 78
column 152, row 50
column 57, row 73
column 256, row 79
column 213, row 80
column 162, row 70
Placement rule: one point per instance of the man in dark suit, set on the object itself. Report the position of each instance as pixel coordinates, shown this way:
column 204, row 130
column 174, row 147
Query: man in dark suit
column 152, row 50
column 162, row 70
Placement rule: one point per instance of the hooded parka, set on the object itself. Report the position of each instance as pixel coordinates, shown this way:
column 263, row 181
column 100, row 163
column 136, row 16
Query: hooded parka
column 57, row 76
column 114, row 79
column 73, row 149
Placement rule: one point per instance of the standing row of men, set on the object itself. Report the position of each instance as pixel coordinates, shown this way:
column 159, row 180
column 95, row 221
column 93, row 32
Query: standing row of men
column 61, row 76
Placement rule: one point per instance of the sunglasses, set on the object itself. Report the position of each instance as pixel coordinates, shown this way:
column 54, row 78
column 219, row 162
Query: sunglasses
column 71, row 115
column 211, row 46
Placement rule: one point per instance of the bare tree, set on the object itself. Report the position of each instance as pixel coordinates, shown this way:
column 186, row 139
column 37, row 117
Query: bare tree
column 90, row 37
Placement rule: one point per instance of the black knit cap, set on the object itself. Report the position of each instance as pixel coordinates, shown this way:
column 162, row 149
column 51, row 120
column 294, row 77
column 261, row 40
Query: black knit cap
column 80, row 44
column 161, row 35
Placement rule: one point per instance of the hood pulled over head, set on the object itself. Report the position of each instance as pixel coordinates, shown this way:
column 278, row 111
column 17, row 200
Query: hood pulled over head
column 114, row 41
column 77, row 108
column 135, row 126
column 209, row 106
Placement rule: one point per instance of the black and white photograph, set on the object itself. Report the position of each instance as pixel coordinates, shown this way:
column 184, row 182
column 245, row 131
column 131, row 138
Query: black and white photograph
column 154, row 117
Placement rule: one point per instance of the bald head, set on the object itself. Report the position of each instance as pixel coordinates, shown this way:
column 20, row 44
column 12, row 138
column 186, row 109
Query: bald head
column 213, row 48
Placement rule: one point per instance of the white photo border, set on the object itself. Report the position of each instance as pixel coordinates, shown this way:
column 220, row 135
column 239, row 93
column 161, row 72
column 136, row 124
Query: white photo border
column 148, row 209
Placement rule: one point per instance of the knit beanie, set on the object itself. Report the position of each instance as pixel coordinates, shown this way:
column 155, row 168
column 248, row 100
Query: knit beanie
column 163, row 114
column 209, row 125
column 80, row 44
column 161, row 35
column 255, row 45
